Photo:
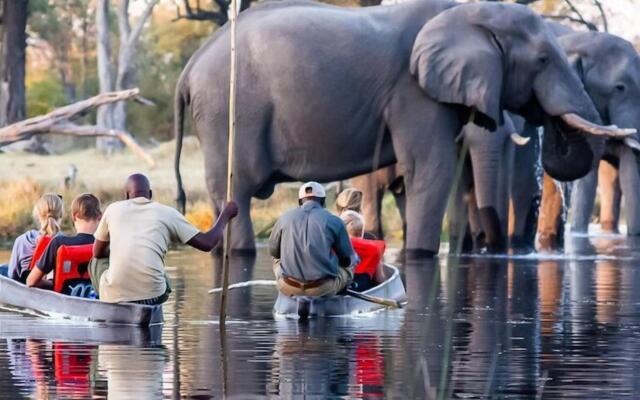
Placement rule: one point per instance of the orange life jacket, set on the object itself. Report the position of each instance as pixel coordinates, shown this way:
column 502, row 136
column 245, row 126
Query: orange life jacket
column 38, row 252
column 71, row 269
column 370, row 253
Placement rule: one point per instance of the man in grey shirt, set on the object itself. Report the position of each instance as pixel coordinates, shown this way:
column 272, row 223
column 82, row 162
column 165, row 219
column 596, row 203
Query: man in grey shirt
column 311, row 248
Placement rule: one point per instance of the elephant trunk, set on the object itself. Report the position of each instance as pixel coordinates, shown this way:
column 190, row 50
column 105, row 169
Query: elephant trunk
column 567, row 153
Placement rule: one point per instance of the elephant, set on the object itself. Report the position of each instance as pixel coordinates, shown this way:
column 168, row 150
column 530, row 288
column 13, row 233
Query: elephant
column 327, row 93
column 495, row 207
column 609, row 66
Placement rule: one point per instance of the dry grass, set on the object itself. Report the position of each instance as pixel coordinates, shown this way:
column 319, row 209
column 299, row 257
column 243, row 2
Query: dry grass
column 24, row 177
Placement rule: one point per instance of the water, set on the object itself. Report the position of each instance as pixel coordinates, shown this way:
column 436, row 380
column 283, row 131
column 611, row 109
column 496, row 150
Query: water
column 531, row 327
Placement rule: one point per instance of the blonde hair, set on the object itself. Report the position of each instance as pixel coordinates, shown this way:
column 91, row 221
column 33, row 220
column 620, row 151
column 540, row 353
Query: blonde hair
column 354, row 223
column 48, row 212
column 349, row 199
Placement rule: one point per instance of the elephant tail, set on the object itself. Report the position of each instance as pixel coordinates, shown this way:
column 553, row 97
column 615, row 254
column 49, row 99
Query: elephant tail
column 179, row 102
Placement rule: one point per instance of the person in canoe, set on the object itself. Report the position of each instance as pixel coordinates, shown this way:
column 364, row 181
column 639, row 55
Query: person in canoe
column 47, row 212
column 349, row 199
column 370, row 270
column 311, row 249
column 132, row 239
column 85, row 214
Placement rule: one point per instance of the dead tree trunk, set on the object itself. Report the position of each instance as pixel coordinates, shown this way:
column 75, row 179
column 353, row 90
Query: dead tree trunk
column 12, row 70
column 121, row 76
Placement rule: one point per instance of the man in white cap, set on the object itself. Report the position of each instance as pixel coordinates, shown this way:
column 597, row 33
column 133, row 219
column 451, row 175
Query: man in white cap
column 311, row 248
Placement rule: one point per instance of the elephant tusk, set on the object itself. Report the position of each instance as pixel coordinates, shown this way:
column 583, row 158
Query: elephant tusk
column 582, row 124
column 518, row 139
column 633, row 143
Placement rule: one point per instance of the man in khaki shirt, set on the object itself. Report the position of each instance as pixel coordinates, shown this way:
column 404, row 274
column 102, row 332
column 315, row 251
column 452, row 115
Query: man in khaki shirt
column 132, row 240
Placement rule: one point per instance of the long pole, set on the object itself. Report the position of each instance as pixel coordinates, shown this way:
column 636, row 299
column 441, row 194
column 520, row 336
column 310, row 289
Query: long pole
column 233, row 15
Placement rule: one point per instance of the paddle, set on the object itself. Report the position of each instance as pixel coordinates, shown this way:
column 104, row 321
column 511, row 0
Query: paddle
column 373, row 299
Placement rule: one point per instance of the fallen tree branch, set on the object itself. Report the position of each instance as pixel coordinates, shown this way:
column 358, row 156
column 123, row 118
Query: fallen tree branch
column 58, row 122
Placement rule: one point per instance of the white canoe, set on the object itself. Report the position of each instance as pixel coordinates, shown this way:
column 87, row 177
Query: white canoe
column 16, row 296
column 294, row 307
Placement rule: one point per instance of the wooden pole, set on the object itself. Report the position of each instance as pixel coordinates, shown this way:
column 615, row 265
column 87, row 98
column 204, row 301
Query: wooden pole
column 231, row 142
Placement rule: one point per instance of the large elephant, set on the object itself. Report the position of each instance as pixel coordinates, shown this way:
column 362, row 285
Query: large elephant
column 610, row 69
column 326, row 93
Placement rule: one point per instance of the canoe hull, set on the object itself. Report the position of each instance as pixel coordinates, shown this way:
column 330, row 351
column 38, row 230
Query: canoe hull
column 293, row 307
column 47, row 303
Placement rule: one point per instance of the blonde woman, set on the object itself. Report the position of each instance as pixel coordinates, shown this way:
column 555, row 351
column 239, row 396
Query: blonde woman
column 47, row 213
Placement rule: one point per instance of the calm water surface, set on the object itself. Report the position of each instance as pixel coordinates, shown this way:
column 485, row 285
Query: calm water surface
column 550, row 327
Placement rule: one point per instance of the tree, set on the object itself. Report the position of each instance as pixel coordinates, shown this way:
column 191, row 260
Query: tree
column 12, row 64
column 118, row 76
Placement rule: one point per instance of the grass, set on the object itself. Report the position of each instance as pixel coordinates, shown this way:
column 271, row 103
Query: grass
column 24, row 177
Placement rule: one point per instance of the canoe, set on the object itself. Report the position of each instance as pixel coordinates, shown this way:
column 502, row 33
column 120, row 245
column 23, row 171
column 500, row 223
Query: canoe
column 18, row 297
column 294, row 307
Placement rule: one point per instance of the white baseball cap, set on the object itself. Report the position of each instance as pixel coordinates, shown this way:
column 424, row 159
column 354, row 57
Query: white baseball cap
column 311, row 189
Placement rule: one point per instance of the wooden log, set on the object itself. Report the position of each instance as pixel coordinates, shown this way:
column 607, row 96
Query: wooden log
column 59, row 122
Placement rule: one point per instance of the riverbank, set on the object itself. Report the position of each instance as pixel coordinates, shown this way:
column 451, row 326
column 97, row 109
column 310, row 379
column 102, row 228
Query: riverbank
column 24, row 177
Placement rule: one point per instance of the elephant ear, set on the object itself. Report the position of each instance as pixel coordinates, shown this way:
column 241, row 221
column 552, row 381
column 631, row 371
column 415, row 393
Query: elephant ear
column 461, row 63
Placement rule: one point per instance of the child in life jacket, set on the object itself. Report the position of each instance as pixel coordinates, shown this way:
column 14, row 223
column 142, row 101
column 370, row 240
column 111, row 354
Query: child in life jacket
column 86, row 214
column 370, row 271
column 47, row 213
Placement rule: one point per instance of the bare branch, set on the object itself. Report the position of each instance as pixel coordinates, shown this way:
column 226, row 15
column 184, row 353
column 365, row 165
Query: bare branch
column 580, row 19
column 135, row 32
column 58, row 122
column 562, row 17
column 605, row 23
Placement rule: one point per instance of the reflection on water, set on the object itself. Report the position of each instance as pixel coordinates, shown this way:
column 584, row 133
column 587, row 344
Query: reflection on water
column 549, row 327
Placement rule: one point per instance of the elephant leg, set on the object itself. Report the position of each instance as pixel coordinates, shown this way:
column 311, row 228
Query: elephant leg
column 423, row 132
column 428, row 189
column 549, row 231
column 400, row 196
column 610, row 196
column 477, row 224
column 582, row 200
column 630, row 186
column 525, row 193
column 464, row 226
column 371, row 201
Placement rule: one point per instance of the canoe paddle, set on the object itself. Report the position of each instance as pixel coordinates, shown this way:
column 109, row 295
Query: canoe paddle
column 373, row 299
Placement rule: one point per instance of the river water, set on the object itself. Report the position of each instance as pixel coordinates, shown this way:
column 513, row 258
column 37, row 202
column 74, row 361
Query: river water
column 559, row 326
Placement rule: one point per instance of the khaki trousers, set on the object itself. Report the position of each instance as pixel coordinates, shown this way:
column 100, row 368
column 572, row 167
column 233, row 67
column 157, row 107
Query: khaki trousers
column 98, row 266
column 329, row 288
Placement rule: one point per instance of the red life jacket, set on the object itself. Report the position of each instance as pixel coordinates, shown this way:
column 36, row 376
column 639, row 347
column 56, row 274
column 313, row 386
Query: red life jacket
column 72, row 365
column 370, row 253
column 38, row 252
column 69, row 261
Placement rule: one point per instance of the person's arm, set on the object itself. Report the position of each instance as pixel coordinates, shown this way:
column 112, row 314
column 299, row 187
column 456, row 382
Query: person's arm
column 274, row 240
column 102, row 236
column 100, row 249
column 207, row 241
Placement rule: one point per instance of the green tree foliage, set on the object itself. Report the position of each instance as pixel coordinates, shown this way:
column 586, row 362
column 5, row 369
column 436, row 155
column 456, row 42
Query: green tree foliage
column 165, row 49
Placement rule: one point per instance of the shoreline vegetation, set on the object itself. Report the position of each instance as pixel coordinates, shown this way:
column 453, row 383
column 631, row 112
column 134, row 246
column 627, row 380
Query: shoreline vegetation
column 25, row 176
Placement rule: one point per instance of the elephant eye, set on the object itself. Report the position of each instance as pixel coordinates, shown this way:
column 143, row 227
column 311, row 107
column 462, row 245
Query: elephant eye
column 543, row 60
column 621, row 87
